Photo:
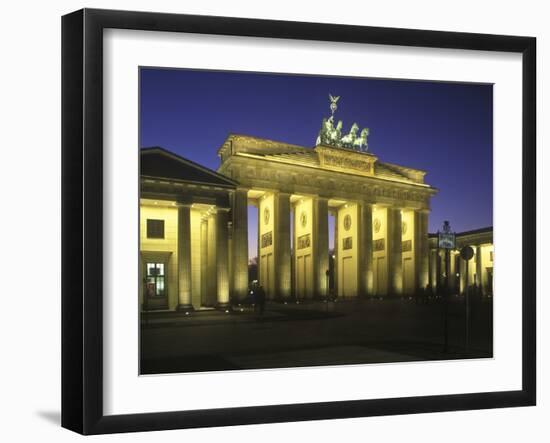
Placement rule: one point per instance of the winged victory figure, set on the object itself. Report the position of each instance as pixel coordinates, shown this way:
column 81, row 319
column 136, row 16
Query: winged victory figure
column 333, row 101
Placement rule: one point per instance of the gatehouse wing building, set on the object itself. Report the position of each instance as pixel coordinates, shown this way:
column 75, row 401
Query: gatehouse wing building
column 185, row 230
column 476, row 273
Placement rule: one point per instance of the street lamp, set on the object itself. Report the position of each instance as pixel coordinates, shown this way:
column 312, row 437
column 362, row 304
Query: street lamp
column 446, row 240
column 467, row 253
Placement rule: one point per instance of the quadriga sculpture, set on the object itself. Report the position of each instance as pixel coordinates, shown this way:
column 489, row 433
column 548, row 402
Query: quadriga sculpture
column 332, row 136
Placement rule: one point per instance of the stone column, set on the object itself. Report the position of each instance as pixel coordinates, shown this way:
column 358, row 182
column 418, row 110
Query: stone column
column 320, row 246
column 366, row 277
column 453, row 271
column 442, row 269
column 463, row 265
column 433, row 270
column 395, row 268
column 421, row 249
column 141, row 288
column 258, row 241
column 222, row 265
column 282, row 245
column 336, row 255
column 479, row 270
column 204, row 260
column 293, row 264
column 240, row 244
column 211, row 281
column 184, row 258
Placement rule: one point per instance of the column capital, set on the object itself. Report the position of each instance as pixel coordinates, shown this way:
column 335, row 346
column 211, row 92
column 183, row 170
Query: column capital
column 396, row 208
column 321, row 197
column 282, row 193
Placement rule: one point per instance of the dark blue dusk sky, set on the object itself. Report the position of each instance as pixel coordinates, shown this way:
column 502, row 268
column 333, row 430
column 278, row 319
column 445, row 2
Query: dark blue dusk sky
column 445, row 129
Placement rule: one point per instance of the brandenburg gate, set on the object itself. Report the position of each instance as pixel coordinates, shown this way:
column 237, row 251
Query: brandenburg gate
column 381, row 216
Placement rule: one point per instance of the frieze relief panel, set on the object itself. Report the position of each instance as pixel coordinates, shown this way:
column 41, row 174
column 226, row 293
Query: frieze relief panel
column 379, row 244
column 346, row 160
column 267, row 239
column 347, row 243
column 347, row 163
column 304, row 241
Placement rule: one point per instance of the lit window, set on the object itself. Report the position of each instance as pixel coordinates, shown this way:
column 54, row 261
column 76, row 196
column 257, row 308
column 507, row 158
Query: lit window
column 154, row 284
column 155, row 228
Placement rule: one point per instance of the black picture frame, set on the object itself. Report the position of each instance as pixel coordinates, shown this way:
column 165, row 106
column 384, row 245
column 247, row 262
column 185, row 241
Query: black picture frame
column 82, row 215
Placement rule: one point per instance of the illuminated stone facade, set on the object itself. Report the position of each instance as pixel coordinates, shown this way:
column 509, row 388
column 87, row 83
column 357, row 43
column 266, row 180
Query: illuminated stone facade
column 185, row 234
column 380, row 233
column 380, row 209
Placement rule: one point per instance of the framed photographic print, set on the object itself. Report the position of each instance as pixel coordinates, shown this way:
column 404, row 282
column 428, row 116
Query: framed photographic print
column 270, row 221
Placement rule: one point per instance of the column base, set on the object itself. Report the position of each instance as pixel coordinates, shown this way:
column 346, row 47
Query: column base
column 186, row 307
column 226, row 306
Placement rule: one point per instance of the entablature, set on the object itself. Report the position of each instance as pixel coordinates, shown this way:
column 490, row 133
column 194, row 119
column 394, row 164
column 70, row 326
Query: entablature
column 256, row 173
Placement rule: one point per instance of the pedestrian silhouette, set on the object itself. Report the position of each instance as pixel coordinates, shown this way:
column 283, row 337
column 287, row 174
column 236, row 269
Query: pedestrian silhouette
column 260, row 298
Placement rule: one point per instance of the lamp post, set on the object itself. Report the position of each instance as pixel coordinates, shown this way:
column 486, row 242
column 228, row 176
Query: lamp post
column 327, row 274
column 446, row 240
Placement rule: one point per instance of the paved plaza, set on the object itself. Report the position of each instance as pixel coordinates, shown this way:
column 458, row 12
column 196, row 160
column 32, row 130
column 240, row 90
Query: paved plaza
column 313, row 334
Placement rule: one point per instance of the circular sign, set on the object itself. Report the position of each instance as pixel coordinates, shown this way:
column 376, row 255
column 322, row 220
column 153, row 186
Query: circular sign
column 467, row 253
column 266, row 216
column 404, row 228
column 377, row 224
column 303, row 219
column 347, row 222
